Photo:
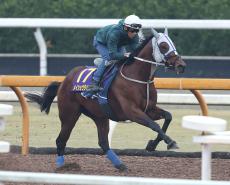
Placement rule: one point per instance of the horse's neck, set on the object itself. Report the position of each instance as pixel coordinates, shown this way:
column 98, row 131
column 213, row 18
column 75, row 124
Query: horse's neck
column 139, row 69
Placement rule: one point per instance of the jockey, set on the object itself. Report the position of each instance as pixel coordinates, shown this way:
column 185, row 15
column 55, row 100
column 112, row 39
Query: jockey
column 110, row 43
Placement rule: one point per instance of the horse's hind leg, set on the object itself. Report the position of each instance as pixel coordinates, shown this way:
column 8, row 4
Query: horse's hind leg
column 156, row 115
column 103, row 130
column 69, row 113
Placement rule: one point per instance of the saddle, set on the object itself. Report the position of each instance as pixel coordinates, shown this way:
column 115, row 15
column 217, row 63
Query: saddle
column 83, row 79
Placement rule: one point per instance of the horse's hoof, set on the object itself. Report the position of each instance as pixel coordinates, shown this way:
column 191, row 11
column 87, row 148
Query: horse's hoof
column 151, row 146
column 122, row 168
column 172, row 145
column 60, row 161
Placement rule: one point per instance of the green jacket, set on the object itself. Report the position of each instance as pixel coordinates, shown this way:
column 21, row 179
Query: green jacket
column 114, row 37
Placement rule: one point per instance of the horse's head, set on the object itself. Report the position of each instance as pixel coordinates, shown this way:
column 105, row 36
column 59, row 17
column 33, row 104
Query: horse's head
column 165, row 51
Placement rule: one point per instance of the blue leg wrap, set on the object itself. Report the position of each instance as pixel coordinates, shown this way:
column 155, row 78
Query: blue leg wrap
column 113, row 158
column 60, row 160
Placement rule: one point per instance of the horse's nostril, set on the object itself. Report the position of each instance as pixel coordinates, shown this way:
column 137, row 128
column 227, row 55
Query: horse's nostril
column 180, row 68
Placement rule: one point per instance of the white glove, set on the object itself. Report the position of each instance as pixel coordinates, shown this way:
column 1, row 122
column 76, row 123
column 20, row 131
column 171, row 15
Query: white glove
column 126, row 55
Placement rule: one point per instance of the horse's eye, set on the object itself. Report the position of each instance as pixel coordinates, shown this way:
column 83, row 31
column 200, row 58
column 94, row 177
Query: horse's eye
column 164, row 47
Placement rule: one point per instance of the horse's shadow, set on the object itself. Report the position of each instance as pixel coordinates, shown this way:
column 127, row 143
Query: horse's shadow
column 68, row 167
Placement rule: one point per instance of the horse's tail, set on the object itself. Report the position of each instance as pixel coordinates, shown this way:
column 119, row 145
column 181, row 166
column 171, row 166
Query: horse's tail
column 45, row 99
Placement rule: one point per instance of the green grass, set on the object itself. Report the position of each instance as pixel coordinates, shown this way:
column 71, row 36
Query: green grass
column 45, row 128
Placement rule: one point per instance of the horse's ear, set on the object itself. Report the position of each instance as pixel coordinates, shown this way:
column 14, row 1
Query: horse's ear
column 155, row 33
column 166, row 31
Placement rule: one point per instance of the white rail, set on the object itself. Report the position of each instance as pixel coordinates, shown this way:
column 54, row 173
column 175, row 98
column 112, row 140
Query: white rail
column 43, row 51
column 5, row 110
column 98, row 23
column 165, row 98
column 51, row 178
column 207, row 124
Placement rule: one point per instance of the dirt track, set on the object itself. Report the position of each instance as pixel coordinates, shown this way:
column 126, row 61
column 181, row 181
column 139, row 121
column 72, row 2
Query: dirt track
column 97, row 164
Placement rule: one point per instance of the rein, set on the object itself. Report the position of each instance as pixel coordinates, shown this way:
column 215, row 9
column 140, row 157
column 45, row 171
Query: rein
column 156, row 54
column 134, row 80
column 149, row 61
column 158, row 63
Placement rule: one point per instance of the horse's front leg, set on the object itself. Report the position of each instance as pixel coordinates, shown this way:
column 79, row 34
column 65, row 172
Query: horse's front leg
column 103, row 130
column 68, row 114
column 157, row 114
column 143, row 119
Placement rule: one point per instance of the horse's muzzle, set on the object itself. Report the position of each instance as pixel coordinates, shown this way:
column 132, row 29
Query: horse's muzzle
column 180, row 69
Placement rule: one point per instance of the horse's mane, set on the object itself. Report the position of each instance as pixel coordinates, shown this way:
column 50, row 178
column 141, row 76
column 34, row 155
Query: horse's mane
column 141, row 46
column 138, row 49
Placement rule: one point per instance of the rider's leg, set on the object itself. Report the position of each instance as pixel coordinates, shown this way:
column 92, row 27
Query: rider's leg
column 99, row 72
column 104, row 52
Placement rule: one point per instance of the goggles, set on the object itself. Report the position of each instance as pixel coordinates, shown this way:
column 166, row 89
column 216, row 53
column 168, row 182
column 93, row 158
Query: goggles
column 133, row 27
column 137, row 26
column 133, row 30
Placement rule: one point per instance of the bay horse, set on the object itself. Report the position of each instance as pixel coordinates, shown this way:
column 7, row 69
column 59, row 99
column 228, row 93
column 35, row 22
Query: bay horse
column 132, row 96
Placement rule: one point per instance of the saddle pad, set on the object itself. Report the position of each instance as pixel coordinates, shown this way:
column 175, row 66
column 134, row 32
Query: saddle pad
column 83, row 79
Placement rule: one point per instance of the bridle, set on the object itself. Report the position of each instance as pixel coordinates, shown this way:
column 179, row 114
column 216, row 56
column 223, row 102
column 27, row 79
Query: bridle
column 160, row 59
